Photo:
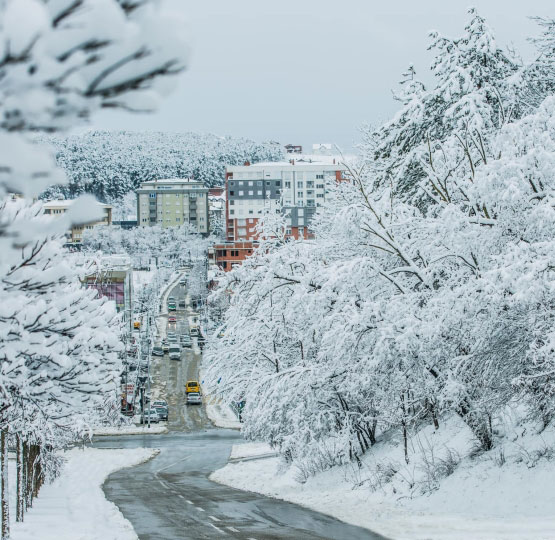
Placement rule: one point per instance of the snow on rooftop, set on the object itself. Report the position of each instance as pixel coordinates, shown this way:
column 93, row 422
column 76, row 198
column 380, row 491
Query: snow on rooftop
column 66, row 203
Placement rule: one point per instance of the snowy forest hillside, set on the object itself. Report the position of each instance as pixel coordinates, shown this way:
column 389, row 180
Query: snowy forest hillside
column 427, row 294
column 110, row 164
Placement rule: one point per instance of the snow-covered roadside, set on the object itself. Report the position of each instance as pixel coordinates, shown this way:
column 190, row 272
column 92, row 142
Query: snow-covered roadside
column 74, row 506
column 486, row 499
column 220, row 414
column 131, row 430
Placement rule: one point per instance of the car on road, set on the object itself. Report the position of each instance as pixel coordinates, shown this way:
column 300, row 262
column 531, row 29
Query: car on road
column 150, row 414
column 186, row 340
column 182, row 282
column 193, row 332
column 172, row 319
column 166, row 347
column 158, row 350
column 161, row 408
column 194, row 398
column 172, row 340
column 175, row 352
column 182, row 304
column 192, row 386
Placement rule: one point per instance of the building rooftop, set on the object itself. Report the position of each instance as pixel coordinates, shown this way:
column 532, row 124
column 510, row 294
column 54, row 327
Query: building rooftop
column 66, row 203
column 172, row 181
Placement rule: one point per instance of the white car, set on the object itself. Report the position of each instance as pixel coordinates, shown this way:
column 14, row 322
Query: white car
column 175, row 352
column 194, row 398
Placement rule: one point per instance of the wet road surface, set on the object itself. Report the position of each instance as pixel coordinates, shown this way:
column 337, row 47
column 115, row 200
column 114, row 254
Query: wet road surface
column 171, row 498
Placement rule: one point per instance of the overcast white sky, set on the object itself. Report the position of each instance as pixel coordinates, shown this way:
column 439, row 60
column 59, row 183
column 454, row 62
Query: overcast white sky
column 304, row 71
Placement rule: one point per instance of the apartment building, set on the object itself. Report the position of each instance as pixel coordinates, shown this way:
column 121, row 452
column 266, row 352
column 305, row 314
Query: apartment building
column 295, row 188
column 173, row 202
column 75, row 235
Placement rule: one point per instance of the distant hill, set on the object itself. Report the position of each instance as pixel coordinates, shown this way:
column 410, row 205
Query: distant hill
column 109, row 164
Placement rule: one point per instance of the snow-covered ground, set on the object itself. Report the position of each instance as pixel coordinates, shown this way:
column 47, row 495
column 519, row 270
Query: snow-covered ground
column 505, row 494
column 251, row 450
column 74, row 506
column 220, row 414
column 131, row 430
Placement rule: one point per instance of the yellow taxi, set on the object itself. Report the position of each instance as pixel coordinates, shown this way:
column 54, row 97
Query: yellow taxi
column 192, row 386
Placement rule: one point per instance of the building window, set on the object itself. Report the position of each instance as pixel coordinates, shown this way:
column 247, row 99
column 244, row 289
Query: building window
column 232, row 193
column 310, row 202
column 300, row 184
column 310, row 183
column 232, row 183
column 278, row 183
column 251, row 211
column 300, row 212
column 241, row 183
column 259, row 183
column 288, row 231
column 241, row 193
column 231, row 212
column 299, row 194
column 152, row 195
column 287, row 184
column 231, row 202
column 251, row 192
column 319, row 186
column 268, row 183
column 319, row 177
column 259, row 192
column 250, row 183
column 319, row 195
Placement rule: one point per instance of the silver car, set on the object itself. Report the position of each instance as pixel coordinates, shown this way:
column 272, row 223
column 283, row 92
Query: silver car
column 194, row 398
column 150, row 414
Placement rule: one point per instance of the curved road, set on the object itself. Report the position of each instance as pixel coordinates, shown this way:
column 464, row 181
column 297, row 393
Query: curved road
column 171, row 498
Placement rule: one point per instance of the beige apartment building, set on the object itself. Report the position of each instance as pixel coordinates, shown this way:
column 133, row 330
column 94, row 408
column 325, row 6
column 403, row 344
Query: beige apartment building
column 75, row 235
column 173, row 202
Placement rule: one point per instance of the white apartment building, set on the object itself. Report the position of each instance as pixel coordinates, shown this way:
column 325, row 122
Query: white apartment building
column 296, row 188
column 173, row 202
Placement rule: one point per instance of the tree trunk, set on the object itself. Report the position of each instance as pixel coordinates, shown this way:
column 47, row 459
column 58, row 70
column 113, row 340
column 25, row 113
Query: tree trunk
column 5, row 493
column 20, row 504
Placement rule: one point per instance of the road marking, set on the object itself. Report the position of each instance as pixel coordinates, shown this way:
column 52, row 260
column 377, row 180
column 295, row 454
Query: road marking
column 217, row 528
column 164, row 468
column 162, row 484
column 233, row 529
column 213, row 518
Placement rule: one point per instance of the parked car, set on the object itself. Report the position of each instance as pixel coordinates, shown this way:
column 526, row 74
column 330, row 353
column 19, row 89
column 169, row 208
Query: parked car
column 166, row 347
column 150, row 414
column 182, row 304
column 172, row 319
column 161, row 408
column 192, row 386
column 182, row 282
column 194, row 398
column 185, row 340
column 157, row 350
column 193, row 332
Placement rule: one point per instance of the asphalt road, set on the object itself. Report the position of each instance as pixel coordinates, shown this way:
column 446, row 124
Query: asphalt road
column 171, row 498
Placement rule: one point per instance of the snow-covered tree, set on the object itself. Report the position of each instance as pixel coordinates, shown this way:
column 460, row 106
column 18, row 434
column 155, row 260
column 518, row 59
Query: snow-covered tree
column 408, row 306
column 59, row 63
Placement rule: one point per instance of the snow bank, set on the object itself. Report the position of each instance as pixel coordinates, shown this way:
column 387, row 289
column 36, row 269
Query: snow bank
column 131, row 430
column 220, row 414
column 74, row 506
column 251, row 450
column 507, row 494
